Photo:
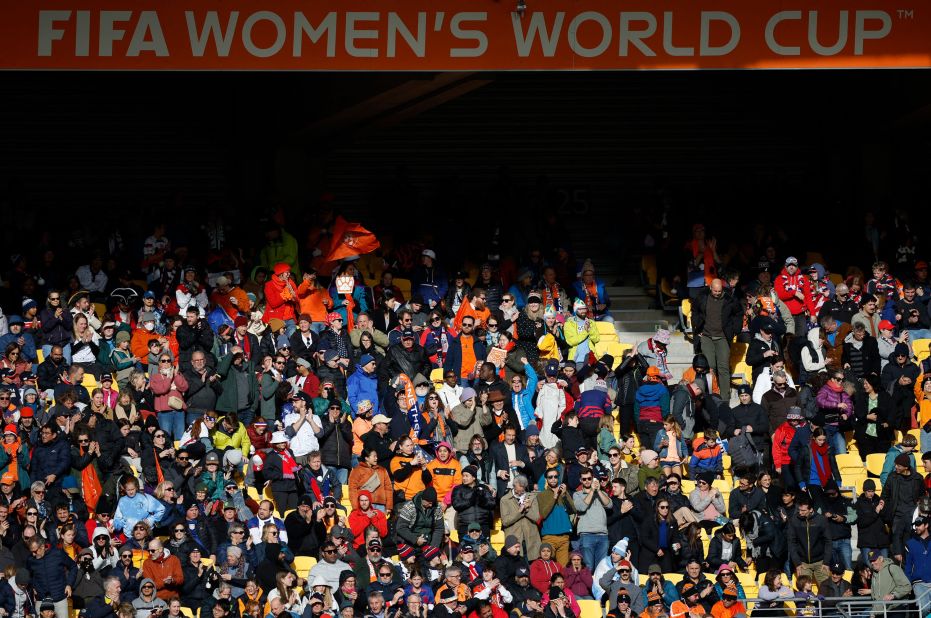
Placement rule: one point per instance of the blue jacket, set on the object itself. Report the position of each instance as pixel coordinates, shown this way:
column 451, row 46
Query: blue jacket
column 652, row 395
column 431, row 284
column 670, row 593
column 51, row 573
column 361, row 385
column 138, row 508
column 29, row 347
column 454, row 353
column 593, row 404
column 358, row 298
column 525, row 398
column 603, row 299
column 918, row 560
column 52, row 458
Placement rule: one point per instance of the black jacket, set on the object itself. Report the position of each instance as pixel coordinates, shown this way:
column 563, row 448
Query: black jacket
column 201, row 395
column 649, row 544
column 755, row 351
column 808, row 539
column 715, row 551
column 499, row 456
column 883, row 413
column 871, row 530
column 51, row 458
column 273, row 473
column 755, row 416
column 399, row 360
column 335, row 442
column 803, row 464
column 731, row 315
column 473, row 505
column 195, row 338
column 869, row 356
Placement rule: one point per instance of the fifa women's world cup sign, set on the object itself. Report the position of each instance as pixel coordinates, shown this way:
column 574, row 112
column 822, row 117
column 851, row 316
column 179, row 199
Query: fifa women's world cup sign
column 463, row 35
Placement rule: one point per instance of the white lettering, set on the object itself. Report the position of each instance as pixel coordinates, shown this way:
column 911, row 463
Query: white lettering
column 302, row 27
column 861, row 34
column 455, row 27
column 281, row 34
column 635, row 37
column 537, row 28
column 396, row 26
column 108, row 33
column 211, row 28
column 667, row 39
column 47, row 30
column 816, row 46
column 606, row 34
column 775, row 46
column 352, row 35
column 705, row 48
column 82, row 34
column 148, row 25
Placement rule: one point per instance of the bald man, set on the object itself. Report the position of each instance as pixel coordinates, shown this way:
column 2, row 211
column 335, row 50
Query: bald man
column 716, row 320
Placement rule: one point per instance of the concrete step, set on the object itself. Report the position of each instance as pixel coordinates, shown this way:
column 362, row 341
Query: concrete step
column 626, row 303
column 624, row 291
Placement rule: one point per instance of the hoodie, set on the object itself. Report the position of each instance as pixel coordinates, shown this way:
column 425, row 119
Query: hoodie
column 137, row 508
column 102, row 563
column 143, row 607
column 890, row 579
column 360, row 386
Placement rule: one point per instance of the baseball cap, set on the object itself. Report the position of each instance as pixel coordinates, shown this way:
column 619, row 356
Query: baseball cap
column 873, row 556
column 886, row 325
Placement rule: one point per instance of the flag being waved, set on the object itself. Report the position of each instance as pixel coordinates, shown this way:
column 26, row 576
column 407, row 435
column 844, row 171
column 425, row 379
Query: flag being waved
column 350, row 239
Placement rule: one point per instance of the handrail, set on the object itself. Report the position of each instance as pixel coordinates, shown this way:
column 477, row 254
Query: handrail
column 846, row 607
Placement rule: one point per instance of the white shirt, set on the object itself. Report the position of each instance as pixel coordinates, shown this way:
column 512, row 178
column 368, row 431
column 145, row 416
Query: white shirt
column 304, row 441
column 449, row 395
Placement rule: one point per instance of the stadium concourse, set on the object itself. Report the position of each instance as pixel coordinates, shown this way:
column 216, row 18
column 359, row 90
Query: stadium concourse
column 332, row 423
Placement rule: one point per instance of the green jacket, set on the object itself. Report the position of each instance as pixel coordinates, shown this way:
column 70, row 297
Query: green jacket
column 890, row 579
column 282, row 250
column 268, row 404
column 228, row 401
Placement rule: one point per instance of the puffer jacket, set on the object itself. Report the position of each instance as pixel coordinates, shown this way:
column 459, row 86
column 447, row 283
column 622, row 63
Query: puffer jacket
column 361, row 386
column 51, row 573
column 238, row 440
column 414, row 520
column 473, row 505
column 335, row 442
column 51, row 458
column 56, row 331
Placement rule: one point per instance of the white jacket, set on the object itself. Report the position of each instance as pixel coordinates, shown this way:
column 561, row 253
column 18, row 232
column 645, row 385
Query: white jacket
column 814, row 365
column 551, row 401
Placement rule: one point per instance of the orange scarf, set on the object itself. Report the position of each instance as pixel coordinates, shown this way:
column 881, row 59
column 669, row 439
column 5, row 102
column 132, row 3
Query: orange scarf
column 91, row 487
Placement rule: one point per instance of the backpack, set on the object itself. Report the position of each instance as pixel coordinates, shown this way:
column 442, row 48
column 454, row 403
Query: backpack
column 743, row 452
column 808, row 403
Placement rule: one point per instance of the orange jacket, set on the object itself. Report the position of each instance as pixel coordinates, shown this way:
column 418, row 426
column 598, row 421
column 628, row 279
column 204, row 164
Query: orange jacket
column 139, row 343
column 223, row 300
column 446, row 475
column 412, row 485
column 158, row 569
column 279, row 302
column 360, row 476
column 689, row 376
column 480, row 315
column 360, row 427
column 314, row 301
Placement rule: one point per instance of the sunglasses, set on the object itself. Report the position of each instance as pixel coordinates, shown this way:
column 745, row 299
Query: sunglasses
column 179, row 529
column 469, row 324
column 492, row 325
column 54, row 298
column 152, row 550
column 273, row 533
column 32, row 513
column 210, row 419
column 164, row 360
column 613, row 455
column 586, row 479
column 139, row 528
column 237, row 532
column 329, row 551
column 663, row 506
column 552, row 476
column 183, row 459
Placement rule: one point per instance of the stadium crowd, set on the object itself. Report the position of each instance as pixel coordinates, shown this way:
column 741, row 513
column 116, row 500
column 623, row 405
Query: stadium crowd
column 387, row 436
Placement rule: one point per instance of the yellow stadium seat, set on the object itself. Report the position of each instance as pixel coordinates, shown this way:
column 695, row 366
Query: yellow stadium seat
column 303, row 564
column 606, row 328
column 742, row 373
column 738, row 354
column 186, row 612
column 921, row 348
column 405, row 286
column 849, row 461
column 436, row 376
column 687, row 486
column 40, row 355
column 917, row 434
column 668, row 298
column 685, row 315
column 590, row 608
column 89, row 380
column 673, row 577
column 253, row 493
column 874, row 463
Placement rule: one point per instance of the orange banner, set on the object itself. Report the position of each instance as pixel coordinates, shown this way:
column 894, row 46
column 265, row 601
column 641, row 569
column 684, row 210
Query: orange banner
column 462, row 35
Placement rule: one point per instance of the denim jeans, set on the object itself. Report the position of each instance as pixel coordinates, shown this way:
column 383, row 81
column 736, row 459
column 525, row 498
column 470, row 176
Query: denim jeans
column 341, row 473
column 172, row 422
column 836, row 439
column 246, row 416
column 593, row 546
column 842, row 554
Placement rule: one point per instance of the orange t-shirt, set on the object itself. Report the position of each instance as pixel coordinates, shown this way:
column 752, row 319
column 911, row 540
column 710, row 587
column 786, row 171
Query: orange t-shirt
column 480, row 315
column 315, row 302
column 468, row 355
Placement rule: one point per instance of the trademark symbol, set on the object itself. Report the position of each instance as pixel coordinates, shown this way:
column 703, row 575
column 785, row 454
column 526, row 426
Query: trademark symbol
column 906, row 13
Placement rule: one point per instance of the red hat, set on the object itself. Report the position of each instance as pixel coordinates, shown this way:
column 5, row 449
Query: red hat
column 281, row 267
column 240, row 320
column 11, row 428
column 333, row 316
column 886, row 325
column 26, row 412
column 921, row 264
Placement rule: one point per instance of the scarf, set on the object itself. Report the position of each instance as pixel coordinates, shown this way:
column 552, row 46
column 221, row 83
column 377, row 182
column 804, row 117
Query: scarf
column 350, row 307
column 819, row 456
column 158, row 466
column 288, row 465
column 707, row 260
column 591, row 296
column 245, row 344
column 551, row 297
column 91, row 487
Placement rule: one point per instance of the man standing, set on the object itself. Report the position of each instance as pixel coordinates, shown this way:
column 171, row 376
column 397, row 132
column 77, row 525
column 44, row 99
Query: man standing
column 592, row 503
column 918, row 560
column 555, row 507
column 519, row 516
column 51, row 571
column 716, row 317
column 901, row 491
column 889, row 582
column 792, row 289
column 809, row 545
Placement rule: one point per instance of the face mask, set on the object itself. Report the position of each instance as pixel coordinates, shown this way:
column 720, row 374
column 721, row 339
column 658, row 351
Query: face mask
column 149, row 326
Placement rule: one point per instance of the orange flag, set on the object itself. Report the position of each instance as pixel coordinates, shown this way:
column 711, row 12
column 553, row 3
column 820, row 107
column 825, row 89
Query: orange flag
column 350, row 239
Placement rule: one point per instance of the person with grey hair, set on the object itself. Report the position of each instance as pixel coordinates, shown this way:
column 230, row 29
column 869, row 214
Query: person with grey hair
column 520, row 513
column 107, row 605
column 842, row 308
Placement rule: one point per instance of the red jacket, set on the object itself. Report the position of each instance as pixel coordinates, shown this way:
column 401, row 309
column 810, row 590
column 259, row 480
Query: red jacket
column 157, row 569
column 540, row 572
column 782, row 438
column 787, row 285
column 359, row 521
column 279, row 300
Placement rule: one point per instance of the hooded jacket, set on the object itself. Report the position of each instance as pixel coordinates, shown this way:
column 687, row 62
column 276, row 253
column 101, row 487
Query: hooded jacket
column 141, row 507
column 144, row 608
column 890, row 579
column 808, row 539
column 415, row 520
